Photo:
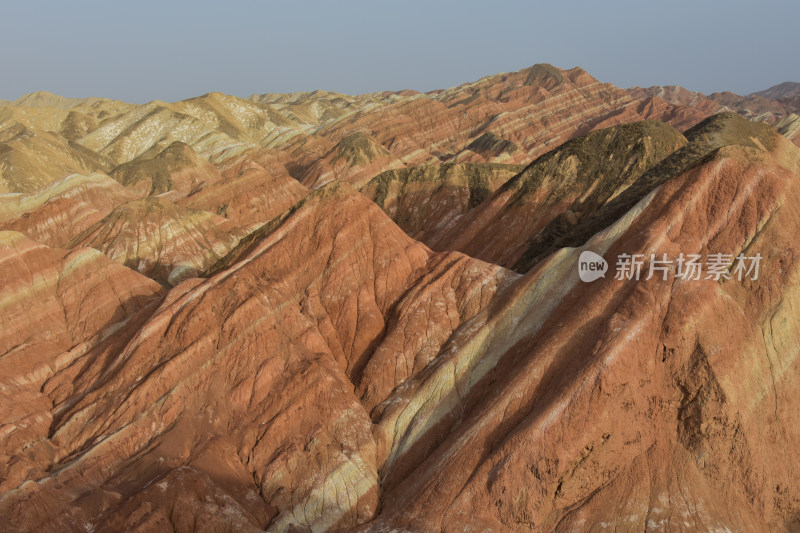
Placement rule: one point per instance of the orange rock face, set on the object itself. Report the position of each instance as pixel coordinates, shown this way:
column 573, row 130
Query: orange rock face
column 339, row 313
column 251, row 191
column 161, row 240
column 777, row 106
column 630, row 403
column 557, row 190
column 66, row 314
column 178, row 168
column 355, row 159
column 321, row 312
column 55, row 214
column 427, row 200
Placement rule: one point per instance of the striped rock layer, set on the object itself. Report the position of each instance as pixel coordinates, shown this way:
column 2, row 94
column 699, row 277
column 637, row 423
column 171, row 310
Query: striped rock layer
column 322, row 312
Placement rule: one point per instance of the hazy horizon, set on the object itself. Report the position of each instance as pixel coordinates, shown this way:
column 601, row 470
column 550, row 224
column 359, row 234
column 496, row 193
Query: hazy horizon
column 148, row 51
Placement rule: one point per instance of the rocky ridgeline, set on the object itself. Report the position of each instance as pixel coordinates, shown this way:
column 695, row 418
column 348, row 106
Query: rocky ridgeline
column 318, row 312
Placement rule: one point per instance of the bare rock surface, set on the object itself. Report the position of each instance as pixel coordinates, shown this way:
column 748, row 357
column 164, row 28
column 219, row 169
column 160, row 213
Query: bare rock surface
column 56, row 213
column 161, row 240
column 657, row 404
column 426, row 200
column 324, row 312
column 559, row 189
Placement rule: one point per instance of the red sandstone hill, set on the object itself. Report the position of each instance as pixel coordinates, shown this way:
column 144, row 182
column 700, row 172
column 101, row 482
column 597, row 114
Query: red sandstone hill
column 322, row 312
column 777, row 106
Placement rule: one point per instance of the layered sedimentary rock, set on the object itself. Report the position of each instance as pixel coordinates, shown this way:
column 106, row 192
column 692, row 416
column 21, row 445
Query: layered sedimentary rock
column 649, row 404
column 560, row 189
column 506, row 118
column 66, row 207
column 428, row 199
column 488, row 147
column 751, row 106
column 323, row 334
column 66, row 315
column 717, row 131
column 31, row 159
column 355, row 160
column 177, row 168
column 399, row 349
column 787, row 89
column 210, row 123
column 73, row 118
column 430, row 391
column 251, row 191
column 536, row 109
column 161, row 240
column 777, row 106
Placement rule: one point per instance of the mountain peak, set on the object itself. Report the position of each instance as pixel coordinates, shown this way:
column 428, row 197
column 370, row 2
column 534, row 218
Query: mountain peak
column 786, row 89
column 48, row 99
column 544, row 74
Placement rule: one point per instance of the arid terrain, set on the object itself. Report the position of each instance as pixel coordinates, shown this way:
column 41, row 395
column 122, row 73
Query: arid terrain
column 324, row 312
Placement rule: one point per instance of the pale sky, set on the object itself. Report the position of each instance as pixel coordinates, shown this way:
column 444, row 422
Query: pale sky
column 143, row 50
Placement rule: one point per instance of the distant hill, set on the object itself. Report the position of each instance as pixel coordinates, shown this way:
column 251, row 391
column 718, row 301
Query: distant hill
column 786, row 89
